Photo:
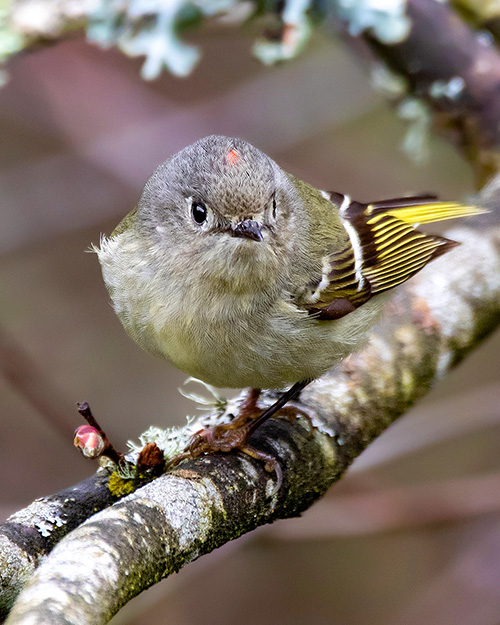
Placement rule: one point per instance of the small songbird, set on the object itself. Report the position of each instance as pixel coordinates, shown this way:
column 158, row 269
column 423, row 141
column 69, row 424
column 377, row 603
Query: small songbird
column 242, row 275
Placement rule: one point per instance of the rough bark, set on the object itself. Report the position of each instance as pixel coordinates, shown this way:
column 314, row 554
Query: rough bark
column 30, row 534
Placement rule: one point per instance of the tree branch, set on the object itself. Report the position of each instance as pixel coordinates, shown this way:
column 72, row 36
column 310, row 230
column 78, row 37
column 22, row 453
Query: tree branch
column 428, row 327
column 448, row 73
column 30, row 534
column 449, row 69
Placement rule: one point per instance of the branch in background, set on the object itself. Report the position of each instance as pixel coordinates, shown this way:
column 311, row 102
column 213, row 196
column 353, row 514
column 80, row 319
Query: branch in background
column 431, row 323
column 445, row 65
column 443, row 71
column 482, row 15
column 396, row 508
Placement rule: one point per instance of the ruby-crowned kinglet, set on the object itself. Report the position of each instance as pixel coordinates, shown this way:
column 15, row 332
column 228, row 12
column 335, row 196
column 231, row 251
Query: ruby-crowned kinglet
column 241, row 274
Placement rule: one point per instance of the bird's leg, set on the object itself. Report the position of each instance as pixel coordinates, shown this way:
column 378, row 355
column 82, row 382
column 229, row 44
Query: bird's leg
column 247, row 410
column 221, row 437
column 234, row 435
column 292, row 393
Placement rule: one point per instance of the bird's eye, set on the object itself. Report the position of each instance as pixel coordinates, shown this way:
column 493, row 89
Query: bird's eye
column 199, row 212
column 274, row 206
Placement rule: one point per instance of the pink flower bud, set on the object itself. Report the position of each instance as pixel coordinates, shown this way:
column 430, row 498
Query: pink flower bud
column 89, row 441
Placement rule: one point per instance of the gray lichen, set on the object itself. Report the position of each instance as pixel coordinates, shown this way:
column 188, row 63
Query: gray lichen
column 11, row 41
column 45, row 515
column 386, row 21
column 150, row 28
column 419, row 117
column 296, row 32
column 451, row 89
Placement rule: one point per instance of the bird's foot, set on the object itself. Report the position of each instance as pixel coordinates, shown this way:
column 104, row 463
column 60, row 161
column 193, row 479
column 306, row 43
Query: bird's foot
column 234, row 435
column 225, row 438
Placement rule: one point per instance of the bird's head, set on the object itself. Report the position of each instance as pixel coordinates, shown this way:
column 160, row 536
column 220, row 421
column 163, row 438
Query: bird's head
column 217, row 207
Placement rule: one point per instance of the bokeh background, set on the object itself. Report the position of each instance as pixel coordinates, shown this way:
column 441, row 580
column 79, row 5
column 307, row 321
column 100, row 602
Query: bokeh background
column 412, row 534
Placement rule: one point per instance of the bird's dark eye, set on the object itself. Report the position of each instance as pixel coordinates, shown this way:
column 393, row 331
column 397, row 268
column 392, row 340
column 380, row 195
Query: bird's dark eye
column 199, row 212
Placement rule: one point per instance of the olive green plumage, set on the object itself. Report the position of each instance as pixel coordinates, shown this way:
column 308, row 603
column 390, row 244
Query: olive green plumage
column 242, row 275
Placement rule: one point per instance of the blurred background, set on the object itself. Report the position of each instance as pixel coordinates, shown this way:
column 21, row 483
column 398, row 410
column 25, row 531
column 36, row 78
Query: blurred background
column 412, row 534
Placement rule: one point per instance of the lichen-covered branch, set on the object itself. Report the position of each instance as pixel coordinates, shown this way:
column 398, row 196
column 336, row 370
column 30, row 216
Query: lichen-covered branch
column 449, row 73
column 443, row 72
column 30, row 534
column 430, row 324
column 137, row 27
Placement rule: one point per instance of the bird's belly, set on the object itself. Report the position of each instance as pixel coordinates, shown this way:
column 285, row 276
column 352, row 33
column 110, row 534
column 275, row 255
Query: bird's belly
column 272, row 349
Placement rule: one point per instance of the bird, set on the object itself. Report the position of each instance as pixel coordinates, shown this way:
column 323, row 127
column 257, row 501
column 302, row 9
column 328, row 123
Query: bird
column 242, row 275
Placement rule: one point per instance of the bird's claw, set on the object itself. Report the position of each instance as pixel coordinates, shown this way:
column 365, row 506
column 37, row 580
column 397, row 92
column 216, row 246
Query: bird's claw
column 234, row 435
column 225, row 438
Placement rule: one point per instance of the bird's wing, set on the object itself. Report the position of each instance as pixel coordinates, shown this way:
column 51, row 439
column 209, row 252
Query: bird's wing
column 384, row 249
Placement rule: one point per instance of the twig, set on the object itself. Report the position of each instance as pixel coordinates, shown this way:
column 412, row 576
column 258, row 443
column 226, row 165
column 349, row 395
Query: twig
column 108, row 449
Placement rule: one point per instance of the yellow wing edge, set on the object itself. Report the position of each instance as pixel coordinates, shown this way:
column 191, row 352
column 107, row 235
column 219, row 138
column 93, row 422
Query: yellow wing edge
column 427, row 213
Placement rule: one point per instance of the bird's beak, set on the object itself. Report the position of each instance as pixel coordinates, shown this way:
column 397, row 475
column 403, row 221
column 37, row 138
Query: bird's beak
column 248, row 229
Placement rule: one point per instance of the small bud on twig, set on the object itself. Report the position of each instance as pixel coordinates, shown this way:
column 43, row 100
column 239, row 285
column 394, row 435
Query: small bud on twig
column 89, row 441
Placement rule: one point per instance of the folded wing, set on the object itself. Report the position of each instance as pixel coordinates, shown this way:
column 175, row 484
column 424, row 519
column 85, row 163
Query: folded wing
column 384, row 249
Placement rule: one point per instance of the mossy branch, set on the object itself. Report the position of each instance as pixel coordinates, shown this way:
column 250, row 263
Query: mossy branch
column 428, row 327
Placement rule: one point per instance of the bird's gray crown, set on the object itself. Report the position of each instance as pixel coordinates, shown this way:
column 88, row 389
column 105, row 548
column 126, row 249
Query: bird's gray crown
column 228, row 174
